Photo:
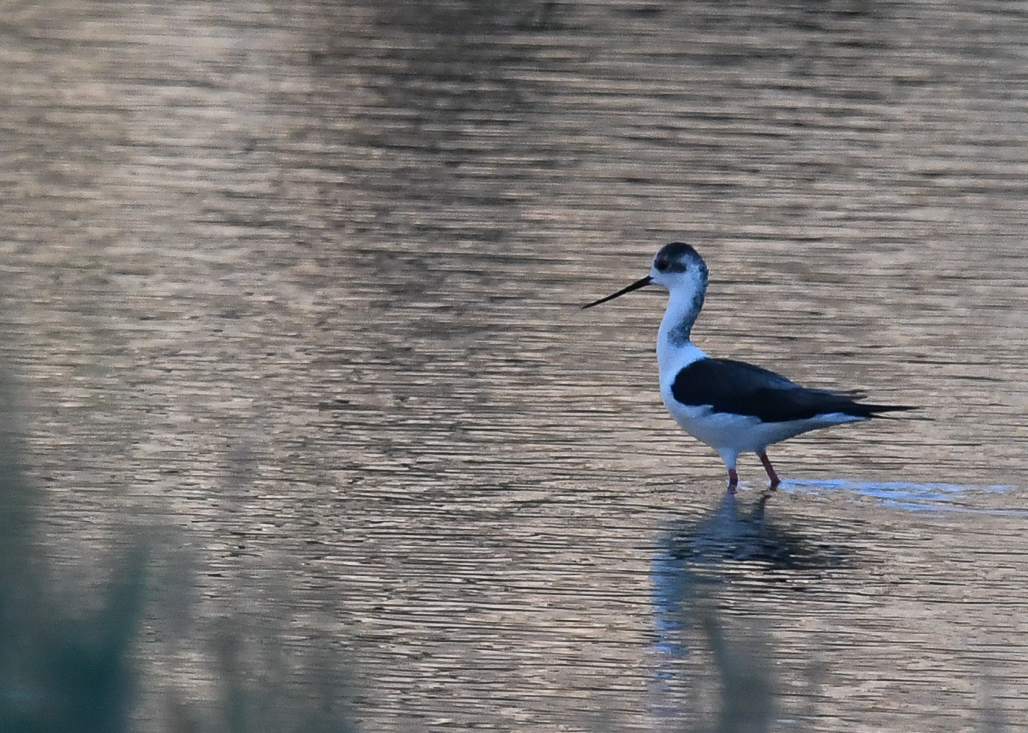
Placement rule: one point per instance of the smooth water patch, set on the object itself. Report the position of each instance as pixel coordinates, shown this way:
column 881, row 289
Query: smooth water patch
column 907, row 495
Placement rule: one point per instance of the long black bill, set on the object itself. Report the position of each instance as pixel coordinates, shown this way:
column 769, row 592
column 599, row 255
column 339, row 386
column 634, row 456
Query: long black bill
column 634, row 286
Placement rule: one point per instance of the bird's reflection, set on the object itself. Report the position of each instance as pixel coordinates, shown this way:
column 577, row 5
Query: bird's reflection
column 730, row 532
column 701, row 550
column 693, row 559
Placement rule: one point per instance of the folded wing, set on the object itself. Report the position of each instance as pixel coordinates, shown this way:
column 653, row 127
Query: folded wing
column 735, row 387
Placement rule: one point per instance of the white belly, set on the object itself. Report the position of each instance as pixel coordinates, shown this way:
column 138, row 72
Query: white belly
column 727, row 433
column 731, row 435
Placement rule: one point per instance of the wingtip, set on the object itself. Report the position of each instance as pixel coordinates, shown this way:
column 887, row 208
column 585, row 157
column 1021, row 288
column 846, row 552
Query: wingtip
column 879, row 411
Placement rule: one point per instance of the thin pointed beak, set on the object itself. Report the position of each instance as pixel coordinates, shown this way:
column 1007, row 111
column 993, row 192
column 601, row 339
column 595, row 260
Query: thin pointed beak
column 634, row 286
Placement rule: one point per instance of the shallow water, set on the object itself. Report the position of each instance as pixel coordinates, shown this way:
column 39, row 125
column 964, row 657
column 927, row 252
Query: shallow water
column 301, row 282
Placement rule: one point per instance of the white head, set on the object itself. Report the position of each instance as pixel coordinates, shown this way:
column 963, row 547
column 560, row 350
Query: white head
column 679, row 269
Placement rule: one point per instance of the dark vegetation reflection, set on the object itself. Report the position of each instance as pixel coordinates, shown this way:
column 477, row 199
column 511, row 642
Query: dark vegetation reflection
column 69, row 658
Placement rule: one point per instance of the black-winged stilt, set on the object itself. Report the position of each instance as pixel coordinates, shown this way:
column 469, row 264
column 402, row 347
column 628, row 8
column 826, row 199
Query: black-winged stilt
column 732, row 406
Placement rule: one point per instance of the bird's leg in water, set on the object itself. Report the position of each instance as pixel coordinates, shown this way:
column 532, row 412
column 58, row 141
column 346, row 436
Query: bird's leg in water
column 775, row 481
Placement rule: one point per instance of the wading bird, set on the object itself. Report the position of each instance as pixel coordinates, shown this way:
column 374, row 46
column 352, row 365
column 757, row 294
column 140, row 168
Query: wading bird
column 732, row 406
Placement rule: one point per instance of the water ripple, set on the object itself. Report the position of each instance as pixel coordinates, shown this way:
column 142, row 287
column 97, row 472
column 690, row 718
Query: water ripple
column 908, row 495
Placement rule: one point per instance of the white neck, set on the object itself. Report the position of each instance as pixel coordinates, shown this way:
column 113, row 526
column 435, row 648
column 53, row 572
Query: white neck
column 674, row 349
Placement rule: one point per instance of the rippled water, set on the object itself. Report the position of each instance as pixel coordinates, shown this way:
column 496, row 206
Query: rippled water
column 300, row 284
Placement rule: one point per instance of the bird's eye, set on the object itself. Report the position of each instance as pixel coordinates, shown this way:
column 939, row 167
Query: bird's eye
column 661, row 263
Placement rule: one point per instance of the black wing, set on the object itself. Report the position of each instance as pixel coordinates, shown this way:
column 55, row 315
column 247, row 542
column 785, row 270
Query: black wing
column 739, row 388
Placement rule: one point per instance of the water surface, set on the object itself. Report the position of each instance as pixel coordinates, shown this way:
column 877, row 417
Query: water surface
column 302, row 282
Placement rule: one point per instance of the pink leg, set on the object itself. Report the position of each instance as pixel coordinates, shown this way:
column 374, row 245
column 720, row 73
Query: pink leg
column 733, row 480
column 770, row 470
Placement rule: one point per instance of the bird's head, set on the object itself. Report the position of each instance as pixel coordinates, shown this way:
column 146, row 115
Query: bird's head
column 676, row 267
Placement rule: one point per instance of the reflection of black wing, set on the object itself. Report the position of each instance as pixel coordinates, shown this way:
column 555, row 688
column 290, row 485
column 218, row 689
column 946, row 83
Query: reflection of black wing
column 739, row 388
